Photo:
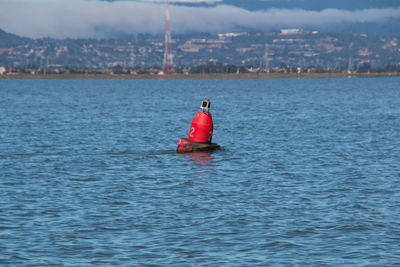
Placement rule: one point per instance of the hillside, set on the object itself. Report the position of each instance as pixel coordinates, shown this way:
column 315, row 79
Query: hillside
column 8, row 40
column 272, row 49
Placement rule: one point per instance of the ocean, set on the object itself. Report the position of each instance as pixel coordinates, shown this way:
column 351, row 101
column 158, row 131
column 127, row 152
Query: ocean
column 308, row 173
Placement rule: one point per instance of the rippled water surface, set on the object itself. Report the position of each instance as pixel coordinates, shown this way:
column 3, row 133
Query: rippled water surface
column 309, row 173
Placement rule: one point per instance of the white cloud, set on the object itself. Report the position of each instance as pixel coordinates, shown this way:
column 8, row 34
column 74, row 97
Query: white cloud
column 93, row 18
column 182, row 1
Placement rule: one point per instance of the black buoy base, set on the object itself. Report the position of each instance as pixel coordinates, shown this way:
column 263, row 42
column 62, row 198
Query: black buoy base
column 186, row 146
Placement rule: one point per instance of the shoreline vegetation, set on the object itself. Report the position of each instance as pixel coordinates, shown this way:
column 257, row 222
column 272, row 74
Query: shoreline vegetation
column 201, row 76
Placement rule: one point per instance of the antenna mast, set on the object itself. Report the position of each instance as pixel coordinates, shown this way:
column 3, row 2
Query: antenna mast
column 266, row 59
column 168, row 65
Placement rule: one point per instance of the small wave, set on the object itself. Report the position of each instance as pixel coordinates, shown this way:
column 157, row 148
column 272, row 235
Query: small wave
column 147, row 178
column 123, row 152
column 90, row 179
column 120, row 203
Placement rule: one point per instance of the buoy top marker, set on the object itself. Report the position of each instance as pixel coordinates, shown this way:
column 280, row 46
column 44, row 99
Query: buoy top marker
column 205, row 105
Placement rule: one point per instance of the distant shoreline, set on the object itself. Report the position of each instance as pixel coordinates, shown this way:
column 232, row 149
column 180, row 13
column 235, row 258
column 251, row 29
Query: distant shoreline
column 198, row 76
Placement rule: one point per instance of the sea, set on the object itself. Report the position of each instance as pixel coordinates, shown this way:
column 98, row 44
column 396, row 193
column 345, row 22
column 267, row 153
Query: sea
column 308, row 173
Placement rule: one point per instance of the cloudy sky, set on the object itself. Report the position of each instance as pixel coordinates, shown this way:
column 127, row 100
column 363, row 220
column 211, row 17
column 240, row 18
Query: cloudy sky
column 96, row 18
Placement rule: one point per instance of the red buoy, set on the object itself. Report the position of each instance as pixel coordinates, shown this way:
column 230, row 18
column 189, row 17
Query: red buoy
column 201, row 128
column 200, row 132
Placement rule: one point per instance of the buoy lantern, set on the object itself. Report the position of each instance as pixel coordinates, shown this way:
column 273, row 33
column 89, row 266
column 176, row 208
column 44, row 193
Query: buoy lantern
column 200, row 132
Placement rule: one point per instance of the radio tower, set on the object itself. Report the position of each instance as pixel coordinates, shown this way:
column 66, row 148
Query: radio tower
column 266, row 59
column 168, row 65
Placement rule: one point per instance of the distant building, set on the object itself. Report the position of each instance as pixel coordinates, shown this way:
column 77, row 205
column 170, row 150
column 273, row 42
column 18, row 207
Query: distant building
column 231, row 34
column 2, row 70
column 290, row 31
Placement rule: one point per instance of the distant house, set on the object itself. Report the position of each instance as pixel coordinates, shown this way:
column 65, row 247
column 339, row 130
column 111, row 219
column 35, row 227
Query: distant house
column 290, row 31
column 2, row 70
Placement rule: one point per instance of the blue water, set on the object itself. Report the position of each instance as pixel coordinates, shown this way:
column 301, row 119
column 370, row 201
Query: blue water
column 309, row 173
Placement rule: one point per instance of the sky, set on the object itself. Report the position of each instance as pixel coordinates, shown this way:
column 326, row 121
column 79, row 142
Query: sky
column 101, row 18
